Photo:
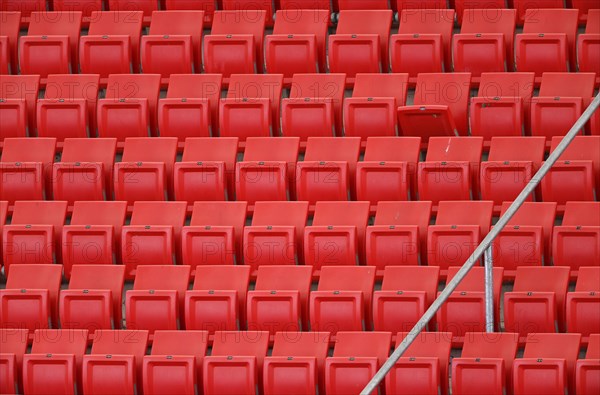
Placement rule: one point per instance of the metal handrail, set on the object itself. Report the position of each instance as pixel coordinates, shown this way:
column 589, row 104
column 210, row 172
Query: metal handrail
column 479, row 251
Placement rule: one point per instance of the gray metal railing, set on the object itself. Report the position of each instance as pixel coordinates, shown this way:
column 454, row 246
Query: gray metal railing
column 483, row 247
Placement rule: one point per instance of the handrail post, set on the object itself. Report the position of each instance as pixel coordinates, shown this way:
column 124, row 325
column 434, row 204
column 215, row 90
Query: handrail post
column 489, row 290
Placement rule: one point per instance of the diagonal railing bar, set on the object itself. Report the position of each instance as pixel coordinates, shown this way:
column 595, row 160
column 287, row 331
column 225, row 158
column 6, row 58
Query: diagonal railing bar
column 481, row 248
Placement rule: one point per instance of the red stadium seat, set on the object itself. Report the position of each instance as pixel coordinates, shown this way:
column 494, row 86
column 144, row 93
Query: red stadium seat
column 585, row 7
column 279, row 301
column 112, row 45
column 18, row 97
column 85, row 171
column 34, row 234
column 491, row 7
column 439, row 107
column 13, row 343
column 146, row 6
column 51, row 45
column 235, row 43
column 406, row 292
column 26, row 169
column 548, row 364
column 207, row 168
column 174, row 43
column 217, row 301
column 246, row 5
column 371, row 111
column 537, row 301
column 146, row 169
column 400, row 5
column 588, row 43
column 93, row 236
column 208, row 6
column 451, row 169
column 363, row 4
column 129, row 107
column 251, row 108
column 191, row 108
column 342, row 301
column 153, row 235
column 214, row 236
column 54, row 364
column 398, row 235
column 314, row 108
column 356, row 358
column 85, row 6
column 30, row 299
column 25, row 7
column 459, row 228
column 423, row 42
column 360, row 44
column 10, row 33
column 276, row 235
column 93, row 300
column 115, row 362
column 295, row 5
column 523, row 5
column 586, row 370
column 175, row 364
column 576, row 242
column 298, row 43
column 3, row 215
column 583, row 305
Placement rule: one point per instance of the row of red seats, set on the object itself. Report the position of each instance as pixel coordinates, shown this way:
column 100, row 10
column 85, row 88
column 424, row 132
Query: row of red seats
column 271, row 170
column 362, row 43
column 299, row 363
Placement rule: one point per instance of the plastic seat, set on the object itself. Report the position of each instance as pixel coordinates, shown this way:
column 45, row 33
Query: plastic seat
column 3, row 216
column 235, row 43
column 276, row 235
column 236, row 362
column 251, row 108
column 527, row 238
column 360, row 44
column 51, row 45
column 588, row 43
column 451, row 169
column 206, row 170
column 18, row 97
column 112, row 45
column 208, row 6
column 298, row 43
column 522, row 6
column 85, row 170
column 371, row 111
column 356, row 358
column 314, row 108
column 85, row 6
column 174, row 43
column 547, row 42
column 462, row 5
column 548, row 364
column 398, row 235
column 54, row 364
column 537, row 301
column 459, row 228
column 34, row 234
column 485, row 42
column 342, row 301
column 406, row 293
column 337, row 234
column 191, row 108
column 93, row 300
column 423, row 42
column 146, row 169
column 10, row 33
column 428, row 357
column 583, row 305
column 511, row 164
column 245, row 5
column 26, row 169
column 115, row 362
column 153, row 235
column 218, row 300
column 388, row 169
column 400, row 5
column 279, row 300
column 13, row 343
column 93, row 236
column 485, row 364
column 25, row 7
column 305, row 5
column 586, row 370
column 268, row 169
column 296, row 364
column 363, row 5
column 576, row 242
column 214, row 236
column 175, row 364
column 157, row 297
column 439, row 107
column 586, row 9
column 464, row 311
column 574, row 175
column 146, row 6
column 30, row 299
column 328, row 169
column 502, row 106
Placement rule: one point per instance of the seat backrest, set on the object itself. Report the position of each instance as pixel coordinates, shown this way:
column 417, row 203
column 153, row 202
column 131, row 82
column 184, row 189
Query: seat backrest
column 517, row 148
column 99, row 213
column 202, row 86
column 25, row 7
column 37, row 276
column 40, row 149
column 242, row 344
column 282, row 214
column 419, row 4
column 284, row 278
column 284, row 149
column 210, row 149
column 581, row 148
column 301, row 344
column 491, row 345
column 60, row 341
column 553, row 345
column 40, row 213
column 240, row 22
column 101, row 150
column 366, row 21
column 151, row 149
column 56, row 23
column 305, row 5
column 552, row 21
column 98, row 277
column 348, row 278
column 14, row 341
column 134, row 86
column 412, row 278
column 543, row 279
column 21, row 87
column 593, row 350
column 363, row 344
column 581, row 214
column 85, row 6
column 126, row 23
column 588, row 279
column 429, row 21
column 382, row 85
column 219, row 214
column 178, row 343
column 467, row 149
column 121, row 342
column 333, row 149
column 159, row 213
column 162, row 277
column 223, row 277
column 147, row 6
column 178, row 23
column 429, row 344
column 466, row 213
column 393, row 149
column 474, row 281
column 518, row 84
column 342, row 213
column 72, row 86
column 303, row 21
column 490, row 21
column 363, row 4
column 319, row 86
column 404, row 213
column 593, row 22
column 533, row 214
column 568, row 85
